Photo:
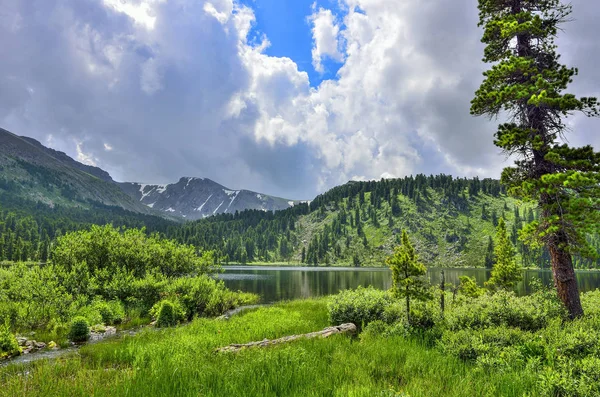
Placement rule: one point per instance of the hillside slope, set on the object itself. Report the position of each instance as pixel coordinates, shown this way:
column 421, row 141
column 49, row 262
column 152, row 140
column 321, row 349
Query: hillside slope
column 32, row 171
column 450, row 221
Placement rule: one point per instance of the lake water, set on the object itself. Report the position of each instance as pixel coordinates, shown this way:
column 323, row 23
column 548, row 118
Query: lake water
column 283, row 283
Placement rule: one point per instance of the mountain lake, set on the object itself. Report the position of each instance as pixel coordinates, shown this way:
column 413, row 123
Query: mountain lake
column 285, row 283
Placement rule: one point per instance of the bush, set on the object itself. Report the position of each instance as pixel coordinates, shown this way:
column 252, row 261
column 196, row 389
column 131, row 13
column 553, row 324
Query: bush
column 146, row 292
column 528, row 313
column 8, row 343
column 469, row 345
column 90, row 313
column 80, row 330
column 424, row 315
column 468, row 287
column 112, row 312
column 167, row 313
column 394, row 313
column 374, row 329
column 360, row 306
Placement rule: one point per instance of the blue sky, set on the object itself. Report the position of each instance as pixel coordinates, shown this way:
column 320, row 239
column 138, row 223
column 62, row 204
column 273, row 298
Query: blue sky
column 286, row 24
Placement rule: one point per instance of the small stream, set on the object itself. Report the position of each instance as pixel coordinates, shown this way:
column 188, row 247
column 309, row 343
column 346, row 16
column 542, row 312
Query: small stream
column 49, row 354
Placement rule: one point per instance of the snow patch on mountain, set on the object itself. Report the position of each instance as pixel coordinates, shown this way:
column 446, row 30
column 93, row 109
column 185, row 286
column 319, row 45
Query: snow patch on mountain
column 199, row 209
column 216, row 209
column 232, row 200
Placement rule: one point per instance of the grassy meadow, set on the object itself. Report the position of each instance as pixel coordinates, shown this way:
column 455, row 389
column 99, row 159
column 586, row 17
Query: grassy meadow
column 181, row 362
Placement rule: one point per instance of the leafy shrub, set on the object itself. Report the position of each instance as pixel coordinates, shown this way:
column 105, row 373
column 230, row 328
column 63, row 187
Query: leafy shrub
column 374, row 329
column 424, row 315
column 360, row 306
column 112, row 312
column 469, row 344
column 205, row 296
column 8, row 342
column 468, row 287
column 530, row 313
column 146, row 292
column 107, row 253
column 573, row 341
column 90, row 313
column 395, row 312
column 80, row 330
column 167, row 313
column 572, row 377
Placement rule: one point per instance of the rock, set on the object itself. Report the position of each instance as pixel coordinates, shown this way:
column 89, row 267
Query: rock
column 21, row 340
column 39, row 345
column 30, row 343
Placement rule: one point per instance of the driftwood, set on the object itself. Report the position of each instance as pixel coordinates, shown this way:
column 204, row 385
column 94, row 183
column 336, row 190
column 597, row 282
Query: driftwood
column 348, row 328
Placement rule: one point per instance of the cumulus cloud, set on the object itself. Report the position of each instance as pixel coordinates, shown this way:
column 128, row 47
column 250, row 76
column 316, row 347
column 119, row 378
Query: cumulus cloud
column 152, row 90
column 326, row 40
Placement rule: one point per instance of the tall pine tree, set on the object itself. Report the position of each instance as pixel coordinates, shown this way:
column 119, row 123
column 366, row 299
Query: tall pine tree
column 527, row 83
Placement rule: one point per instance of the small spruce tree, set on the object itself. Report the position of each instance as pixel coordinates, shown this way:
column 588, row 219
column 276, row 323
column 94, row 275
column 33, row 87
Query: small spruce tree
column 408, row 273
column 505, row 273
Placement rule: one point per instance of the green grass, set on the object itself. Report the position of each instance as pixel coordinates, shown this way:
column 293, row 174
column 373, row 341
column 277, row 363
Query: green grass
column 182, row 362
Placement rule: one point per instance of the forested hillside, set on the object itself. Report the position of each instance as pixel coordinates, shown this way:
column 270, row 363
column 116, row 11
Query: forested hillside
column 28, row 228
column 451, row 220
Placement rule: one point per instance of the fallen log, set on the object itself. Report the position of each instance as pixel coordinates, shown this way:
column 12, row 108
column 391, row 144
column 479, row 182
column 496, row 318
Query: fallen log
column 348, row 328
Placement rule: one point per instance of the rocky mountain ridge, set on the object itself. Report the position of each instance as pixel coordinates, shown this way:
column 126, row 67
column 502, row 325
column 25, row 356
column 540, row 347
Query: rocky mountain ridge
column 196, row 198
column 33, row 171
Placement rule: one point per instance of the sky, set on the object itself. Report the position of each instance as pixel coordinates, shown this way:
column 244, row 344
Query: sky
column 284, row 97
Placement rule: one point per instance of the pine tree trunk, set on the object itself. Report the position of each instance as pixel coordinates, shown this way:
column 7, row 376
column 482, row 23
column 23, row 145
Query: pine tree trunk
column 564, row 275
column 407, row 306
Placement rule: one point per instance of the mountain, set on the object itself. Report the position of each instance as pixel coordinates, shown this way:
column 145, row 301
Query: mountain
column 197, row 198
column 32, row 171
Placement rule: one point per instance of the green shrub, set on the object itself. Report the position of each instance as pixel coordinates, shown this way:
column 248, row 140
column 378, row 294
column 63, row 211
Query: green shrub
column 469, row 288
column 196, row 293
column 374, row 329
column 80, row 330
column 167, row 313
column 360, row 306
column 424, row 315
column 395, row 312
column 469, row 345
column 204, row 296
column 112, row 312
column 528, row 313
column 8, row 343
column 146, row 292
column 90, row 313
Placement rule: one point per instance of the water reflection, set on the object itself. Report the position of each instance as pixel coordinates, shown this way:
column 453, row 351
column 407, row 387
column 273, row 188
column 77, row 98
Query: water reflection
column 284, row 283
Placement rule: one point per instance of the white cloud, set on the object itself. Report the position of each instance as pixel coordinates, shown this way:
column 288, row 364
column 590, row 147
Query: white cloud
column 142, row 12
column 83, row 157
column 326, row 40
